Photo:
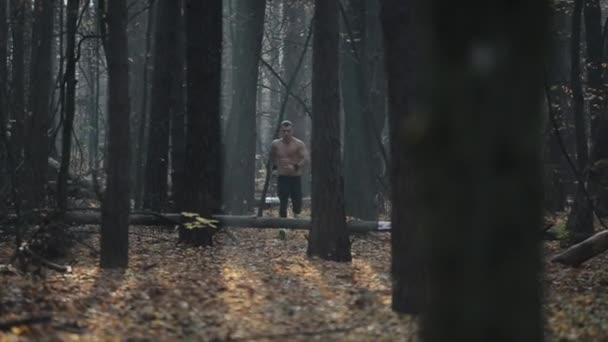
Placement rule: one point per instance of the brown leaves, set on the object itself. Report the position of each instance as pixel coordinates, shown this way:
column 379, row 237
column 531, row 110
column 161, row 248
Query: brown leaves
column 264, row 286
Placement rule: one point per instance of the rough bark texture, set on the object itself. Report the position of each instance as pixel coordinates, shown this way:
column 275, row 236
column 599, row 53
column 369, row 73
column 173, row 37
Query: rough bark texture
column 328, row 236
column 241, row 132
column 203, row 171
column 580, row 219
column 476, row 142
column 165, row 51
column 115, row 207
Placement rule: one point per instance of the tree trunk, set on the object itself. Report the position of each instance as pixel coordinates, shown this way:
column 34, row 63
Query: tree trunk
column 3, row 69
column 557, row 174
column 115, row 207
column 475, row 142
column 598, row 93
column 178, row 114
column 37, row 145
column 203, row 171
column 241, row 141
column 139, row 160
column 17, row 94
column 165, row 52
column 359, row 169
column 328, row 236
column 70, row 106
column 408, row 267
column 580, row 219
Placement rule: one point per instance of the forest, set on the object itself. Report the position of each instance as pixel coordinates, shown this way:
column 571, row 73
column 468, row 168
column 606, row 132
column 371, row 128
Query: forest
column 297, row 170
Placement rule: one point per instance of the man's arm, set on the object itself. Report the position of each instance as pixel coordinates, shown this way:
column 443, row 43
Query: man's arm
column 303, row 154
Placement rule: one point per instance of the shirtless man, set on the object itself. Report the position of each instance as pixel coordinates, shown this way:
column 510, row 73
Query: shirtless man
column 289, row 155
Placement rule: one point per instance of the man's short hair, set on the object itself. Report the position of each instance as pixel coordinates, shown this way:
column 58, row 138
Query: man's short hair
column 286, row 123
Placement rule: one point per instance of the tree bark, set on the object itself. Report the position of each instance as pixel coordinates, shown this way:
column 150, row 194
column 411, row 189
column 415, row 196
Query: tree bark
column 242, row 129
column 178, row 114
column 408, row 267
column 580, row 219
column 598, row 93
column 70, row 106
column 359, row 169
column 142, row 121
column 17, row 93
column 165, row 50
column 115, row 206
column 475, row 141
column 328, row 236
column 203, row 170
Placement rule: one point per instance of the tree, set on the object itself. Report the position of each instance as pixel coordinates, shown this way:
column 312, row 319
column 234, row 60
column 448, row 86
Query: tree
column 17, row 96
column 359, row 144
column 597, row 91
column 178, row 113
column 408, row 268
column 328, row 235
column 165, row 52
column 580, row 219
column 37, row 146
column 241, row 129
column 115, row 206
column 203, row 170
column 140, row 148
column 475, row 143
column 70, row 106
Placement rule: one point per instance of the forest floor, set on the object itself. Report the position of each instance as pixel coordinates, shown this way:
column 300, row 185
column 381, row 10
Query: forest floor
column 262, row 289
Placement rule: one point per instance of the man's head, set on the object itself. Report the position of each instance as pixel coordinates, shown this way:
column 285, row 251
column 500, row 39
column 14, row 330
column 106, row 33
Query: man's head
column 286, row 130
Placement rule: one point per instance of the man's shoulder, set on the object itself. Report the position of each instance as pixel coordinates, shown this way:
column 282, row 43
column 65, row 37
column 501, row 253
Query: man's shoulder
column 276, row 141
column 299, row 143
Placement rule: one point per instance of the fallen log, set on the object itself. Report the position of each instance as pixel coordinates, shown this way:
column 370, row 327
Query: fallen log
column 583, row 251
column 155, row 219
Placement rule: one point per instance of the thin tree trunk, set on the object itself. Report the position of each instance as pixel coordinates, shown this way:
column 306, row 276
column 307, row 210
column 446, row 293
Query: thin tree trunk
column 580, row 220
column 165, row 50
column 178, row 115
column 18, row 79
column 70, row 106
column 143, row 118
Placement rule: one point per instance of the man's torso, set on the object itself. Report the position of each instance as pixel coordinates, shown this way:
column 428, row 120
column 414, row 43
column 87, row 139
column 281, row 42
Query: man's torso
column 287, row 156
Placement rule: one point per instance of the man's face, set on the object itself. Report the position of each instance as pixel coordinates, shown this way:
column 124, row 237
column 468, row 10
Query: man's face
column 286, row 133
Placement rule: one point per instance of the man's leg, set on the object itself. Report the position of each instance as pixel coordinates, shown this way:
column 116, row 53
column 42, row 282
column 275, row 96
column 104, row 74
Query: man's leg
column 283, row 192
column 296, row 195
